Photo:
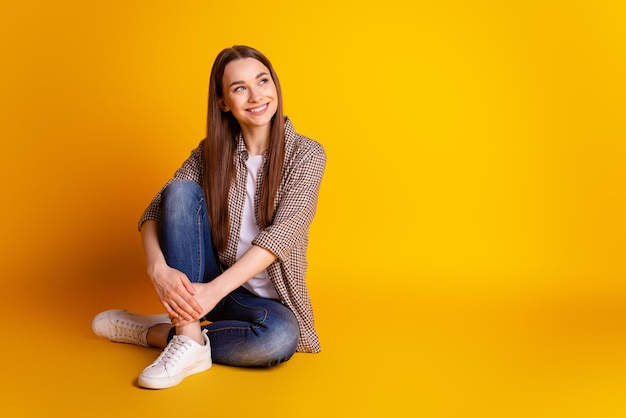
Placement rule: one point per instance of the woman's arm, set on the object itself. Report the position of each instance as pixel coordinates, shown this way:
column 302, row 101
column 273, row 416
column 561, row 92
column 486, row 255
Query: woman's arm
column 298, row 202
column 255, row 260
column 173, row 287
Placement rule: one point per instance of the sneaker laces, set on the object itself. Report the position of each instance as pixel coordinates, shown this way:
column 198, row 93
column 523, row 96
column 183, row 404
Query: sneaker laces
column 129, row 331
column 174, row 351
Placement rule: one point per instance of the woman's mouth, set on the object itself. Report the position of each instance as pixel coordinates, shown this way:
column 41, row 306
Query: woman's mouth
column 258, row 109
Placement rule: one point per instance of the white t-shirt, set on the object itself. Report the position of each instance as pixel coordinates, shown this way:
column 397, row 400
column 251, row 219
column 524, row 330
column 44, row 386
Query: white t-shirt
column 260, row 285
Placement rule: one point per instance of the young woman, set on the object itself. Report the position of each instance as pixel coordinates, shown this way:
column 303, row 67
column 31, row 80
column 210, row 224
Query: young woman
column 226, row 238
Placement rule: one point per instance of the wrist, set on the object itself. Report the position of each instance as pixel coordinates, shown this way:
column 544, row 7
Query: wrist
column 155, row 266
column 223, row 285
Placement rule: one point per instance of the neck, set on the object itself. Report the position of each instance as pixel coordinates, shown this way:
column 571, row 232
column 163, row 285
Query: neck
column 257, row 139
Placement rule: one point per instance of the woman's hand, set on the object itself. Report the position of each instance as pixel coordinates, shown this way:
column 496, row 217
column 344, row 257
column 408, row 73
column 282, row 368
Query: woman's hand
column 177, row 294
column 207, row 295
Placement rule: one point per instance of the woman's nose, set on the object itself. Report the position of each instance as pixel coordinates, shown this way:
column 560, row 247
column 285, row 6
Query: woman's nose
column 255, row 95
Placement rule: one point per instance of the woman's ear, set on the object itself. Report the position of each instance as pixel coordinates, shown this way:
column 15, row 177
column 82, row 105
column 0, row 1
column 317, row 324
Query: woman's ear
column 223, row 105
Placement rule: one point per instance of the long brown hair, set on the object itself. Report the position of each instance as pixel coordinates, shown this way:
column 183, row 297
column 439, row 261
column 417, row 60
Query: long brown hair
column 220, row 145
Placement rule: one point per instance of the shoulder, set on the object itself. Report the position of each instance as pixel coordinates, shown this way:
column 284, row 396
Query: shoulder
column 197, row 154
column 300, row 147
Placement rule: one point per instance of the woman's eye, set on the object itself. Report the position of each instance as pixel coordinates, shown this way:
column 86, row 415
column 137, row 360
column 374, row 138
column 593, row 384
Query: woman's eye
column 240, row 88
column 264, row 80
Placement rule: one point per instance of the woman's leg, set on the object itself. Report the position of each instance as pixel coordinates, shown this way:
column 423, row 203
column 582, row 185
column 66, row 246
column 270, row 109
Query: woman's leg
column 185, row 232
column 185, row 239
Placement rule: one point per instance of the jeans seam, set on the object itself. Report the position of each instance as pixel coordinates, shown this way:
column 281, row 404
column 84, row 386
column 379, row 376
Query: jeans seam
column 261, row 322
column 199, row 242
column 199, row 256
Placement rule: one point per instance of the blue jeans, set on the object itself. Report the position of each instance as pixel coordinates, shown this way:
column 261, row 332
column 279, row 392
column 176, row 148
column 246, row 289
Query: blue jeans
column 245, row 329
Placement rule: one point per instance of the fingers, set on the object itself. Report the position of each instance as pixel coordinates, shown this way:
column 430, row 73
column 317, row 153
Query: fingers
column 189, row 303
column 177, row 292
column 181, row 309
column 177, row 322
column 190, row 287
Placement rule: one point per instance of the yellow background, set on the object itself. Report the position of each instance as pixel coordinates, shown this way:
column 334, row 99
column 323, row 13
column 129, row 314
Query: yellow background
column 467, row 258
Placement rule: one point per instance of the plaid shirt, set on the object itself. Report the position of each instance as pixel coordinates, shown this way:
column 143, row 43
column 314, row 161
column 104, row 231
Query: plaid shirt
column 287, row 237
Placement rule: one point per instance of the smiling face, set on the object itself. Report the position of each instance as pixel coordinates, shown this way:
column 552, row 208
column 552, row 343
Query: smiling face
column 249, row 93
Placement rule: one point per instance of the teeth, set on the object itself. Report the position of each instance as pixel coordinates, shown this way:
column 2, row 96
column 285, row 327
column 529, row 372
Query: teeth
column 258, row 109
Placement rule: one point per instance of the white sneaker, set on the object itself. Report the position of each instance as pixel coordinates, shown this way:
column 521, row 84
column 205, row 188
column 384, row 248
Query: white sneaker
column 181, row 358
column 122, row 326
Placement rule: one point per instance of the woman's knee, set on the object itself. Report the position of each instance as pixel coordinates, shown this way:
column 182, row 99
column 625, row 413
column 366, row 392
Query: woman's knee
column 180, row 190
column 277, row 350
column 280, row 342
column 180, row 197
column 269, row 344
